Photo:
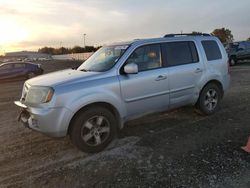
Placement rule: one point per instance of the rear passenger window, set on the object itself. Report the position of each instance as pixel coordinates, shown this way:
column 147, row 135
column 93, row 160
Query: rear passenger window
column 180, row 53
column 212, row 50
column 19, row 65
column 242, row 46
column 248, row 45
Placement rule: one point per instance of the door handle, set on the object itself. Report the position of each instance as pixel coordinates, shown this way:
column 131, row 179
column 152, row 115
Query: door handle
column 161, row 77
column 198, row 70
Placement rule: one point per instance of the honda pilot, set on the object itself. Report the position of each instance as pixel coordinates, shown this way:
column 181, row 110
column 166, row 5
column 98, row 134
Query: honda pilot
column 123, row 81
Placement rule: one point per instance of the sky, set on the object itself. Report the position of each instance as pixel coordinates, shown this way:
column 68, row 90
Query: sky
column 32, row 24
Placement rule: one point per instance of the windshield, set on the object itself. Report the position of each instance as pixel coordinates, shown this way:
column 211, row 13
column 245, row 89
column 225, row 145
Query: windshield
column 104, row 59
column 231, row 46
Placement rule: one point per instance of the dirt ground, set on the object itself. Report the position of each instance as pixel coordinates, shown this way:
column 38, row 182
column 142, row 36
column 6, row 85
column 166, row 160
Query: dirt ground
column 171, row 149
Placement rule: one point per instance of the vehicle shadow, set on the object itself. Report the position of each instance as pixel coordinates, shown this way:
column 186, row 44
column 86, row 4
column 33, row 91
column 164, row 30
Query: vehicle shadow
column 243, row 63
column 159, row 121
column 12, row 80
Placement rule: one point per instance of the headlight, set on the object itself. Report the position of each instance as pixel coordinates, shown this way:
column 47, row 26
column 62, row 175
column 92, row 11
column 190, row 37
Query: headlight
column 39, row 94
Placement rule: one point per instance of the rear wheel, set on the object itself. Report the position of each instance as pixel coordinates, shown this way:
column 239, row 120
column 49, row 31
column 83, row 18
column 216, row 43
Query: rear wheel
column 93, row 129
column 210, row 98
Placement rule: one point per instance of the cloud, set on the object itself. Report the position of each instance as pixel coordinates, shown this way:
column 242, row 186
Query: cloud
column 50, row 22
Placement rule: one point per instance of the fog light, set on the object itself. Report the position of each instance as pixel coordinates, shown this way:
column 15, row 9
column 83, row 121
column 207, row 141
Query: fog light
column 33, row 122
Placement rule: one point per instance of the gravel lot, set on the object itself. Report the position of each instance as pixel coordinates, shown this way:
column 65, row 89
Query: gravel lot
column 171, row 149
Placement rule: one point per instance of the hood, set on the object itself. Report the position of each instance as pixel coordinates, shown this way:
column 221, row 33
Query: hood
column 59, row 77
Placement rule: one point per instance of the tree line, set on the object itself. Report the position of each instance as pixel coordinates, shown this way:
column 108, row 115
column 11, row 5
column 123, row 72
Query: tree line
column 63, row 50
column 225, row 35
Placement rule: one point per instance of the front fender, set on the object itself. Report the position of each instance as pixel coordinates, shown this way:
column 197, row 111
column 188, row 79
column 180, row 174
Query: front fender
column 97, row 97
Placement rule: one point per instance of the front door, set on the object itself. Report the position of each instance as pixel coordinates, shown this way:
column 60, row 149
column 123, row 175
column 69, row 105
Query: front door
column 148, row 90
column 6, row 71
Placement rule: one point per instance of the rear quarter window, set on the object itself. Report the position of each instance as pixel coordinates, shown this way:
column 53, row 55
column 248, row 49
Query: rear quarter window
column 212, row 50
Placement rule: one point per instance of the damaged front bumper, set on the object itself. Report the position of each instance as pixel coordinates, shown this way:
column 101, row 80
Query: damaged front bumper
column 53, row 122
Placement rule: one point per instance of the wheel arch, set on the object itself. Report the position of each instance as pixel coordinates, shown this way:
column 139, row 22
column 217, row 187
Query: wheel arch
column 232, row 56
column 214, row 81
column 106, row 105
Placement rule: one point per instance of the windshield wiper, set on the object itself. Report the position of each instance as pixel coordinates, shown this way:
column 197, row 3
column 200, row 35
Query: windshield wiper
column 74, row 68
column 84, row 70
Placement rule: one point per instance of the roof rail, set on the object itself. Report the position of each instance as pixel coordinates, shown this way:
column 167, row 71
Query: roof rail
column 187, row 34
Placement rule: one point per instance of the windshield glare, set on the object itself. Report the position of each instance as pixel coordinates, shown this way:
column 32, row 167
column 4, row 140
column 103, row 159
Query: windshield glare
column 104, row 59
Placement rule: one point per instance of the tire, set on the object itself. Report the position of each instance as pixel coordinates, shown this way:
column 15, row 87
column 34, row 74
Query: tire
column 31, row 75
column 232, row 61
column 210, row 99
column 93, row 129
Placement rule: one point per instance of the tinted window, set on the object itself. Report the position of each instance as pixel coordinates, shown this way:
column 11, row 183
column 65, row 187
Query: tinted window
column 242, row 45
column 232, row 46
column 180, row 53
column 146, row 57
column 8, row 66
column 212, row 50
column 247, row 45
column 19, row 65
column 194, row 52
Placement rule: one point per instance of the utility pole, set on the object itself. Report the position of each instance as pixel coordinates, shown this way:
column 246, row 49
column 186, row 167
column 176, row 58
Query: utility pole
column 61, row 50
column 84, row 38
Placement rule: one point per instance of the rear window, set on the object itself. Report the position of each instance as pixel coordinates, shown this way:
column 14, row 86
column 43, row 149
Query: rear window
column 212, row 50
column 180, row 53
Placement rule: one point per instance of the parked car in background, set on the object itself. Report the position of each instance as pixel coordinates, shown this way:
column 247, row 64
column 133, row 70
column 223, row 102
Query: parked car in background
column 123, row 81
column 19, row 69
column 238, row 51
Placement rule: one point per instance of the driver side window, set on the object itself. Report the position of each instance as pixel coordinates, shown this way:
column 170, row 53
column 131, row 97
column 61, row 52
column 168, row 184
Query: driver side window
column 146, row 57
column 241, row 46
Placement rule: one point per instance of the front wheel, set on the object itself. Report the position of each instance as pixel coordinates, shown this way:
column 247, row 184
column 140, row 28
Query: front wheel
column 232, row 61
column 93, row 129
column 209, row 100
column 31, row 75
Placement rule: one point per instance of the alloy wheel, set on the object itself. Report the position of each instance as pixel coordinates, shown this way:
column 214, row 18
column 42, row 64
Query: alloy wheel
column 211, row 99
column 95, row 130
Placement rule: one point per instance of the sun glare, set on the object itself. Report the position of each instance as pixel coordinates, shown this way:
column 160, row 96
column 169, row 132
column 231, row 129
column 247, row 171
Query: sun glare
column 12, row 32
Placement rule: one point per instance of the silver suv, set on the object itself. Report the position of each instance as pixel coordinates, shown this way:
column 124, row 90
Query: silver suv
column 123, row 81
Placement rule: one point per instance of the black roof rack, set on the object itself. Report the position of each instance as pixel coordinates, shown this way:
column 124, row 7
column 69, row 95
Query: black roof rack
column 187, row 34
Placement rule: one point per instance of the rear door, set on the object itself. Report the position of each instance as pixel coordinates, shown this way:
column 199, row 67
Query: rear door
column 19, row 69
column 148, row 90
column 185, row 70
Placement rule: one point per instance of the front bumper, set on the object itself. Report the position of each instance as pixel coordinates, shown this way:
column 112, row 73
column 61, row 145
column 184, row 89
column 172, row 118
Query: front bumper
column 53, row 122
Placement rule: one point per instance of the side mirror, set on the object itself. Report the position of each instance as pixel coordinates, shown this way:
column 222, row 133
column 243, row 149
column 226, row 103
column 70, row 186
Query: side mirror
column 131, row 68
